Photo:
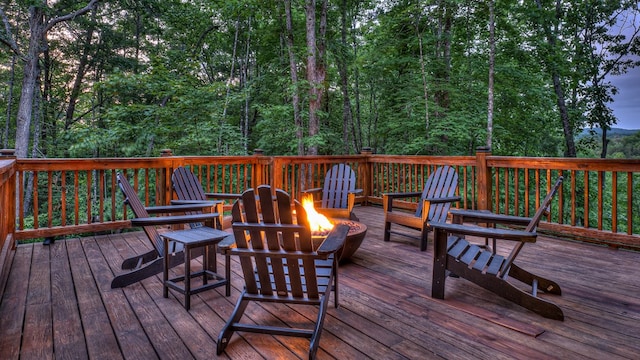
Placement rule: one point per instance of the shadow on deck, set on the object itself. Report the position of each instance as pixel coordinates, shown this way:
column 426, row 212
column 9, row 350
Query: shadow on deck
column 58, row 304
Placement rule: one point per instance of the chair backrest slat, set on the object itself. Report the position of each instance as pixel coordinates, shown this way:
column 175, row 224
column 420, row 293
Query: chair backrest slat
column 139, row 211
column 271, row 244
column 441, row 183
column 186, row 184
column 531, row 227
column 338, row 182
column 187, row 187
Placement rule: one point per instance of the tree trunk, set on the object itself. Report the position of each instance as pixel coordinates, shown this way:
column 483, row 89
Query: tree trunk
column 223, row 119
column 492, row 57
column 25, row 108
column 347, row 117
column 5, row 135
column 244, row 79
column 423, row 72
column 80, row 73
column 570, row 150
column 357, row 126
column 312, row 74
column 605, row 142
column 38, row 29
column 443, row 54
column 295, row 97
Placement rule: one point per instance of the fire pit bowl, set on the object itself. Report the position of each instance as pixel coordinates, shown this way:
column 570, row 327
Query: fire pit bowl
column 357, row 232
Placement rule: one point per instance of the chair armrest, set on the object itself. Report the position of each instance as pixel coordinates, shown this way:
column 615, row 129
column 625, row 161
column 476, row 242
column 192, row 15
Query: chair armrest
column 209, row 203
column 387, row 199
column 335, row 240
column 442, row 200
column 223, row 196
column 176, row 219
column 402, row 195
column 356, row 191
column 311, row 191
column 227, row 243
column 194, row 206
column 472, row 230
column 479, row 216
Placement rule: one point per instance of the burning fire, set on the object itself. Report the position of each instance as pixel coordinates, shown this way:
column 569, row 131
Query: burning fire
column 318, row 222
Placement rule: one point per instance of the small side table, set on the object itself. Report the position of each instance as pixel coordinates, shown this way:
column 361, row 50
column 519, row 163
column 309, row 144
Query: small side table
column 191, row 239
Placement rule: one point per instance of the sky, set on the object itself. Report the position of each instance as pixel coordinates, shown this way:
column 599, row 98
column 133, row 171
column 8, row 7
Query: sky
column 626, row 105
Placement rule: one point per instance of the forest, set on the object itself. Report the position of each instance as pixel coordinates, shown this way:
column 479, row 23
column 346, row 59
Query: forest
column 128, row 78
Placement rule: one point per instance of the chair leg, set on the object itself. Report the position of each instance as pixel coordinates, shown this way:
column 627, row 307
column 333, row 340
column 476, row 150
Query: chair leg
column 423, row 238
column 387, row 230
column 439, row 272
column 335, row 282
column 228, row 329
column 227, row 273
column 315, row 338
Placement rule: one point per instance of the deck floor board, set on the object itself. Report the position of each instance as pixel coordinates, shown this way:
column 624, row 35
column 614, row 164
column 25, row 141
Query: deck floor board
column 58, row 304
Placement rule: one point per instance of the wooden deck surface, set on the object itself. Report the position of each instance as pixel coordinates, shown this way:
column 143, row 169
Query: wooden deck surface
column 58, row 304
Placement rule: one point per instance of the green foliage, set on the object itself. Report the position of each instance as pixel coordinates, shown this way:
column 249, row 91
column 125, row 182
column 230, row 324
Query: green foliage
column 203, row 77
column 275, row 133
column 625, row 147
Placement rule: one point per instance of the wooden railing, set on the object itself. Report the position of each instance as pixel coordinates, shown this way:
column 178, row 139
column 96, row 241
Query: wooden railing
column 596, row 202
column 7, row 217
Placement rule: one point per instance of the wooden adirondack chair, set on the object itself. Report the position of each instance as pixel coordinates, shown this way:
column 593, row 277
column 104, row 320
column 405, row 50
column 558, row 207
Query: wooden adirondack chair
column 435, row 202
column 189, row 190
column 338, row 194
column 151, row 263
column 484, row 266
column 279, row 262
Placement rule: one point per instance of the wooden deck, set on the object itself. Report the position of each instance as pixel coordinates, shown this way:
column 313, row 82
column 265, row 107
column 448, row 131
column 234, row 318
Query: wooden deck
column 58, row 304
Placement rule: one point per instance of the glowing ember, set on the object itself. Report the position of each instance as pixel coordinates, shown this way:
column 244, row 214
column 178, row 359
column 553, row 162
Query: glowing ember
column 317, row 222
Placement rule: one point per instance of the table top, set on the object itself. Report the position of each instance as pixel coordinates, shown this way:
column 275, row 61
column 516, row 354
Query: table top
column 202, row 234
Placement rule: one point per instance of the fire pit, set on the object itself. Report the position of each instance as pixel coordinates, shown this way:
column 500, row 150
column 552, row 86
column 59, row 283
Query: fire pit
column 357, row 232
column 321, row 225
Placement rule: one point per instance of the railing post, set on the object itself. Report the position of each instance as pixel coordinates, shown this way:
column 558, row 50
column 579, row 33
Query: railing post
column 257, row 177
column 164, row 189
column 10, row 200
column 365, row 174
column 276, row 173
column 13, row 192
column 484, row 178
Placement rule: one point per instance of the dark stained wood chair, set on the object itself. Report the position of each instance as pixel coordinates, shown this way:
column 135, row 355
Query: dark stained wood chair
column 435, row 201
column 485, row 266
column 338, row 193
column 280, row 263
column 188, row 189
column 151, row 263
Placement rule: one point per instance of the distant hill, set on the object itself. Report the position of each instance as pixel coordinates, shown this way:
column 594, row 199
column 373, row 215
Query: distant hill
column 611, row 133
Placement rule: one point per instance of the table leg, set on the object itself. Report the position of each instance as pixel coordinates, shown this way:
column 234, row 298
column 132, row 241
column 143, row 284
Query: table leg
column 187, row 277
column 227, row 270
column 165, row 270
column 205, row 265
column 212, row 261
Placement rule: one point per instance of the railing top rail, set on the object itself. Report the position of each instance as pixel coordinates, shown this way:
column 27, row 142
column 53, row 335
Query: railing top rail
column 7, row 165
column 583, row 164
column 91, row 164
column 422, row 159
column 7, row 169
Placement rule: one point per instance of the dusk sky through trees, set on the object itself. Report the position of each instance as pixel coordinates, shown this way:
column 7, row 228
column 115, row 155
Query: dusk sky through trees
column 627, row 103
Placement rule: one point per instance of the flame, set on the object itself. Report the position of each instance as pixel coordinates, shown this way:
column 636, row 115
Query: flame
column 317, row 222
